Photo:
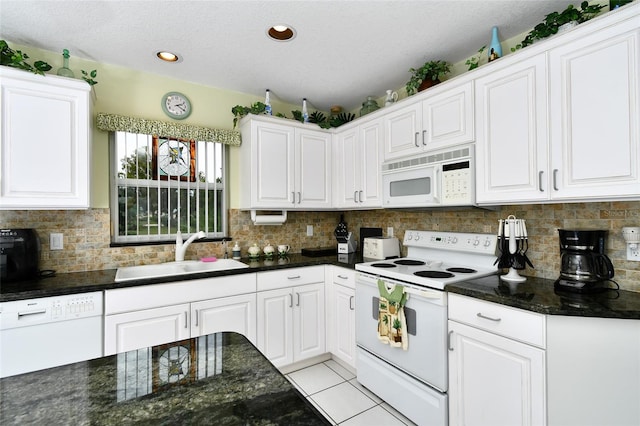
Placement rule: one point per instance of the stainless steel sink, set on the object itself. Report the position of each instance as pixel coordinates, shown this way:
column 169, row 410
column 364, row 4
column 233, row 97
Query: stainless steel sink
column 186, row 267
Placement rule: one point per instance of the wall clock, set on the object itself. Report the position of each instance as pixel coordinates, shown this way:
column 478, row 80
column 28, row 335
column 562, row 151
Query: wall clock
column 174, row 158
column 173, row 364
column 176, row 105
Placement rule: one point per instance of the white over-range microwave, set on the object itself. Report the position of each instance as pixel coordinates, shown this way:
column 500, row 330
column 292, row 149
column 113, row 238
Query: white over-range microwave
column 434, row 179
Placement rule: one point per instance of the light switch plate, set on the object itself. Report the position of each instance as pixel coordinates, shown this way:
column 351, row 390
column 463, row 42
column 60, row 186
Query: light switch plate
column 309, row 230
column 56, row 241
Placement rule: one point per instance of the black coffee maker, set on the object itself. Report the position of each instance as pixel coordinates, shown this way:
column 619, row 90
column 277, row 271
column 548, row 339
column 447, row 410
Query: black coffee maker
column 584, row 267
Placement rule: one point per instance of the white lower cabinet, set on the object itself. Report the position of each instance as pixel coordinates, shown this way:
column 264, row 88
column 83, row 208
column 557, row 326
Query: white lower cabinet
column 291, row 323
column 341, row 317
column 235, row 313
column 139, row 329
column 494, row 379
column 138, row 317
column 291, row 318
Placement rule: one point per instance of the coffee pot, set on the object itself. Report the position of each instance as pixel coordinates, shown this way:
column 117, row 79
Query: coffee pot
column 583, row 265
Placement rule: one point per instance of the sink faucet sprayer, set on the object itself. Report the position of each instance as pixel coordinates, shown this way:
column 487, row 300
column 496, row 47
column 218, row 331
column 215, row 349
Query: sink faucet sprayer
column 181, row 247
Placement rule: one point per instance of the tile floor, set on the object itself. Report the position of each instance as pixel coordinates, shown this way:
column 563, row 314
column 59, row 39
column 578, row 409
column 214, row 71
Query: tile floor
column 334, row 391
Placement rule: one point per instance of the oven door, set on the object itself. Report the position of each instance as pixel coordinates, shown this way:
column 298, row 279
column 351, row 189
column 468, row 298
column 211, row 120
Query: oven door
column 426, row 316
column 412, row 187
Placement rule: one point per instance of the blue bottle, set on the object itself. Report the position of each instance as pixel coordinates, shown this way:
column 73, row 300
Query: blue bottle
column 495, row 49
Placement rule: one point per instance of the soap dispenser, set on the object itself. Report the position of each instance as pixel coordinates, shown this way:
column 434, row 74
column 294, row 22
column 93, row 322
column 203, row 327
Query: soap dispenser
column 235, row 251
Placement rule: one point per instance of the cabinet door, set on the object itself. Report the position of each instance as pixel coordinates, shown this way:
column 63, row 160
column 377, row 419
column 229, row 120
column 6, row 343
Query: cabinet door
column 313, row 169
column 235, row 313
column 447, row 118
column 275, row 316
column 403, row 132
column 308, row 321
column 342, row 324
column 494, row 380
column 150, row 327
column 370, row 161
column 347, row 163
column 595, row 114
column 272, row 165
column 511, row 134
column 45, row 142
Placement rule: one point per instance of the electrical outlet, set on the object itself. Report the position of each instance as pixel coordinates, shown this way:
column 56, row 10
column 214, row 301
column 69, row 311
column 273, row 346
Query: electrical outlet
column 633, row 253
column 435, row 227
column 309, row 230
column 486, row 229
column 56, row 241
column 389, row 231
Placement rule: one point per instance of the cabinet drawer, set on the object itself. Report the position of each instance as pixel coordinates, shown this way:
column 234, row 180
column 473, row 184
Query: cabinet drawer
column 290, row 277
column 344, row 276
column 517, row 324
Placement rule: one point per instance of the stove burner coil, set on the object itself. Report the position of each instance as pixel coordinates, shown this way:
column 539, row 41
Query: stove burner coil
column 409, row 262
column 383, row 265
column 462, row 270
column 433, row 274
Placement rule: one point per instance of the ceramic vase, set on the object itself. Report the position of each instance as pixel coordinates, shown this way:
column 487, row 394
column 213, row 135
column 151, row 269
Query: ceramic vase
column 495, row 49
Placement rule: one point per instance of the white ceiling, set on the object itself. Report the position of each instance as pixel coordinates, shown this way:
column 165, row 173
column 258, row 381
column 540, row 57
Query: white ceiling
column 344, row 50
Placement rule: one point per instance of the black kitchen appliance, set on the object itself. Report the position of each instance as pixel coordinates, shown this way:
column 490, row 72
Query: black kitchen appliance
column 19, row 255
column 584, row 266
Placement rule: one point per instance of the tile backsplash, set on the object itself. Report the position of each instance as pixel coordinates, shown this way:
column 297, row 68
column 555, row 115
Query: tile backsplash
column 87, row 233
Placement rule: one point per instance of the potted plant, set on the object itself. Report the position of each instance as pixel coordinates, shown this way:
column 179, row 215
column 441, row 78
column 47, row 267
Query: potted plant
column 553, row 21
column 426, row 76
column 16, row 59
column 474, row 61
column 240, row 111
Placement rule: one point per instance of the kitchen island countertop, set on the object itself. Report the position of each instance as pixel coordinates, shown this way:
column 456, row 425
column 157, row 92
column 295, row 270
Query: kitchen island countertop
column 219, row 379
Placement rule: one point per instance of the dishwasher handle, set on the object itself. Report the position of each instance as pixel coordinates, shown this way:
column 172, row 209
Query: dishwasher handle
column 28, row 313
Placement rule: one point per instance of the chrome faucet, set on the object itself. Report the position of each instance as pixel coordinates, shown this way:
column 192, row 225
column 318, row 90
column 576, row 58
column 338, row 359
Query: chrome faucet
column 181, row 247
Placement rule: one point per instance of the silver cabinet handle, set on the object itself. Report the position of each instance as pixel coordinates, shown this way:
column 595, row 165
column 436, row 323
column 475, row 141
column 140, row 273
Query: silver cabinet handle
column 555, row 179
column 26, row 314
column 295, row 277
column 449, row 341
column 355, row 196
column 540, row 181
column 360, row 196
column 416, row 140
column 351, row 299
column 196, row 312
column 290, row 300
column 343, row 277
column 424, row 139
column 297, row 299
column 299, row 197
column 186, row 319
column 293, row 197
column 480, row 315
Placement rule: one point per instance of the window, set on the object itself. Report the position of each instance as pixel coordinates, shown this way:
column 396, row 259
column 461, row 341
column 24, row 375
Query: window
column 161, row 185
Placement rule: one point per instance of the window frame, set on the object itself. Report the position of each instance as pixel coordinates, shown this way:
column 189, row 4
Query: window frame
column 155, row 239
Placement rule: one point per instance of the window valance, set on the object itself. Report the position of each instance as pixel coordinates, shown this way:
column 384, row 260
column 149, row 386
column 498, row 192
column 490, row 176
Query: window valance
column 121, row 123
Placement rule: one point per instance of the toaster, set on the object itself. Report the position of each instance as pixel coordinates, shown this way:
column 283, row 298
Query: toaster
column 380, row 248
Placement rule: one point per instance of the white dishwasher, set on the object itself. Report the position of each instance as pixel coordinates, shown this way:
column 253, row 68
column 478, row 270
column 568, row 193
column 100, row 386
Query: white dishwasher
column 48, row 332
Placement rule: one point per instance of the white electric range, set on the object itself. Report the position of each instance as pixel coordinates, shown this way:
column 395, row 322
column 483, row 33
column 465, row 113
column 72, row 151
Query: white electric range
column 415, row 381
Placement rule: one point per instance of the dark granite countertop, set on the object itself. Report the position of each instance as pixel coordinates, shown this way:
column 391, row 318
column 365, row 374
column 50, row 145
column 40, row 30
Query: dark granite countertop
column 535, row 294
column 539, row 295
column 219, row 379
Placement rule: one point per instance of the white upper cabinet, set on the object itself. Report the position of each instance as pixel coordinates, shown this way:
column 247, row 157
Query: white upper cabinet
column 595, row 114
column 45, row 149
column 357, row 159
column 587, row 83
column 511, row 133
column 439, row 120
column 285, row 166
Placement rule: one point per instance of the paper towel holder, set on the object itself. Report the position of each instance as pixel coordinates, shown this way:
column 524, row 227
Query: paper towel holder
column 268, row 219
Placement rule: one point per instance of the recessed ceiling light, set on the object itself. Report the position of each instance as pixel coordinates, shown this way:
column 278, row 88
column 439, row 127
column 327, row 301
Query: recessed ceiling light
column 167, row 56
column 281, row 32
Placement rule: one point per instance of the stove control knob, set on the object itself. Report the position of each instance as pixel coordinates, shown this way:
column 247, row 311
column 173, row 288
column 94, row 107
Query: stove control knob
column 417, row 236
column 409, row 236
column 476, row 242
column 454, row 240
column 487, row 243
